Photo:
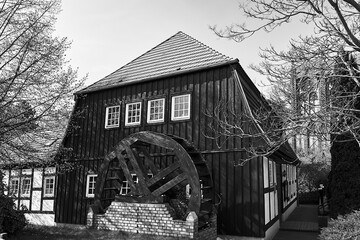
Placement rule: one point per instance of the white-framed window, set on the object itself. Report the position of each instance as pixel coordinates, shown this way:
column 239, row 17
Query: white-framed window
column 270, row 190
column 14, row 187
column 49, row 186
column 125, row 187
column 133, row 114
column 112, row 118
column 90, row 185
column 156, row 109
column 25, row 187
column 180, row 107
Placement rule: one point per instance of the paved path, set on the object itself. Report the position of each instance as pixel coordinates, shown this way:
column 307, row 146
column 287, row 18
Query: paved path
column 302, row 224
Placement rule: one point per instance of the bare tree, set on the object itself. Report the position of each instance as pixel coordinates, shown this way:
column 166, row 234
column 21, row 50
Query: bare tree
column 36, row 83
column 324, row 62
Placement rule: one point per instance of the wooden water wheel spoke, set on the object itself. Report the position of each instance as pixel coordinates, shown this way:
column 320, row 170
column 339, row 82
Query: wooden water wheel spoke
column 173, row 182
column 148, row 162
column 163, row 173
column 143, row 168
column 125, row 169
column 138, row 168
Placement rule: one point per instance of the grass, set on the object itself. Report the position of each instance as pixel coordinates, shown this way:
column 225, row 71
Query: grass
column 64, row 233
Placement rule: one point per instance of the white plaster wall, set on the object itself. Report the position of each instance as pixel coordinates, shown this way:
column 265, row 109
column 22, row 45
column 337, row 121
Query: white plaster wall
column 48, row 205
column 35, row 201
column 37, row 180
column 41, row 219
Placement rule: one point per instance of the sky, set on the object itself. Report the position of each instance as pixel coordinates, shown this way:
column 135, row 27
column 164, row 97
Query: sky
column 108, row 34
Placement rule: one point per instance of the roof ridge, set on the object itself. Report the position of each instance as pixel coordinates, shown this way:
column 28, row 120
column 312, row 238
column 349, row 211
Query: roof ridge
column 204, row 45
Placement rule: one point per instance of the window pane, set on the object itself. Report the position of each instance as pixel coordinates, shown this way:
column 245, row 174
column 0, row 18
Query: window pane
column 112, row 116
column 181, row 107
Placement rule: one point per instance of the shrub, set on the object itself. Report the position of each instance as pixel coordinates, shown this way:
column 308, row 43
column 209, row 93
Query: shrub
column 344, row 179
column 11, row 220
column 311, row 175
column 344, row 227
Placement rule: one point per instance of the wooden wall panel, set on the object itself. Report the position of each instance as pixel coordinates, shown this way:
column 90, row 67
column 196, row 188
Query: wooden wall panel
column 238, row 187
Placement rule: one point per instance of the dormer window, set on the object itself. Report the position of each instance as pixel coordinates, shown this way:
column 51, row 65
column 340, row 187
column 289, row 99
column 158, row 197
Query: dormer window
column 156, row 110
column 133, row 114
column 180, row 107
column 112, row 117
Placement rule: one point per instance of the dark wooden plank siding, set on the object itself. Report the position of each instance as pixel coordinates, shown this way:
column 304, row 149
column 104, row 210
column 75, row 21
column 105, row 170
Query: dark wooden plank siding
column 239, row 188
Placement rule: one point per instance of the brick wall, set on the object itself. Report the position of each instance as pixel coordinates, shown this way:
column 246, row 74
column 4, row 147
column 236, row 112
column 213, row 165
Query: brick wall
column 143, row 218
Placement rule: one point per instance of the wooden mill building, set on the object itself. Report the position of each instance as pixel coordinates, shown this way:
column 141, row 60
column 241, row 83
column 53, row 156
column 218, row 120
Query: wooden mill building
column 172, row 89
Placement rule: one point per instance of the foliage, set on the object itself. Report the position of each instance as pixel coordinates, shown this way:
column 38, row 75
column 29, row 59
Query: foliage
column 311, row 175
column 11, row 220
column 344, row 179
column 36, row 83
column 344, row 227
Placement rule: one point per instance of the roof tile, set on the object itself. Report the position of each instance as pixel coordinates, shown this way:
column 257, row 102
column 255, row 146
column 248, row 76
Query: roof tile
column 178, row 53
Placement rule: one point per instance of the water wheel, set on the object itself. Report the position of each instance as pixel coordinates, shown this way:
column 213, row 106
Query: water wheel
column 176, row 168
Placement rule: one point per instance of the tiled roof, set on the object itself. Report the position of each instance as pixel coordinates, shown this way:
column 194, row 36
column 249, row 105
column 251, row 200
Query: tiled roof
column 177, row 54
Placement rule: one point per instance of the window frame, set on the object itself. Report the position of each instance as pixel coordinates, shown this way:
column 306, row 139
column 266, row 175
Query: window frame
column 149, row 111
column 173, row 118
column 10, row 193
column 90, row 195
column 107, row 117
column 45, row 186
column 127, row 114
column 22, row 194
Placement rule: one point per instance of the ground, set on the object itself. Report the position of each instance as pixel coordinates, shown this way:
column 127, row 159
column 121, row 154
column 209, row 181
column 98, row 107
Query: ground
column 47, row 233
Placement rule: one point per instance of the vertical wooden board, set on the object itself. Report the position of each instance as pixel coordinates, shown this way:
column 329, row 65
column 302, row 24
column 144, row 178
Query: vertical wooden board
column 190, row 124
column 256, row 196
column 238, row 191
column 76, row 199
column 183, row 124
column 224, row 99
column 230, row 185
column 84, row 128
column 231, row 97
column 247, row 213
column 93, row 122
column 239, row 109
column 209, row 109
column 223, row 188
column 196, row 110
column 60, row 185
column 102, row 112
column 82, row 192
column 79, row 129
column 202, row 108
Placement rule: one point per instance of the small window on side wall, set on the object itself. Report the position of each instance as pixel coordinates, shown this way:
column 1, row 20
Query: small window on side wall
column 133, row 114
column 155, row 111
column 90, row 185
column 180, row 107
column 112, row 117
column 49, row 186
